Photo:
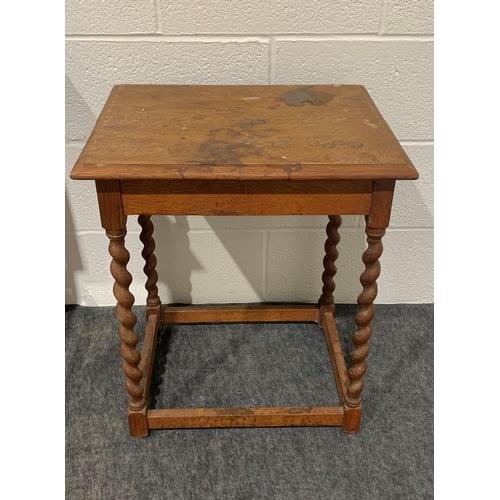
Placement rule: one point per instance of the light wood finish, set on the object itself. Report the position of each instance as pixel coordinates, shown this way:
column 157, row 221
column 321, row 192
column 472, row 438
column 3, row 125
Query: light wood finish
column 331, row 255
column 352, row 419
column 365, row 315
column 138, row 421
column 189, row 418
column 110, row 205
column 376, row 224
column 153, row 300
column 126, row 318
column 243, row 150
column 242, row 132
column 148, row 354
column 336, row 355
column 241, row 313
column 246, row 197
column 380, row 209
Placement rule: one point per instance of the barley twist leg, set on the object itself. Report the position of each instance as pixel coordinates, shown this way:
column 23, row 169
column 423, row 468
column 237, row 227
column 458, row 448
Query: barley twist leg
column 146, row 236
column 126, row 317
column 365, row 315
column 331, row 255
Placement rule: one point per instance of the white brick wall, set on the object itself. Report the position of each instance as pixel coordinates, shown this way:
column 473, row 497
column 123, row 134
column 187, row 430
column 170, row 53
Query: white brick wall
column 264, row 16
column 385, row 45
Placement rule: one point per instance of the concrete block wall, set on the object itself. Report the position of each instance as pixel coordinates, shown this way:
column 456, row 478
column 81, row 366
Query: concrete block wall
column 385, row 45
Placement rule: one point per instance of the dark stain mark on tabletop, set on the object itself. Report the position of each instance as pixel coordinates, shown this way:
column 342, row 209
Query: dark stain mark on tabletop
column 252, row 123
column 224, row 133
column 226, row 146
column 270, row 132
column 221, row 153
column 289, row 170
column 302, row 95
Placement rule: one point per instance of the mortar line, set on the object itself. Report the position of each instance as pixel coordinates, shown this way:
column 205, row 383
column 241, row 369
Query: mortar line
column 417, row 142
column 383, row 17
column 415, row 229
column 265, row 263
column 159, row 26
column 160, row 37
column 272, row 60
column 353, row 36
column 247, row 37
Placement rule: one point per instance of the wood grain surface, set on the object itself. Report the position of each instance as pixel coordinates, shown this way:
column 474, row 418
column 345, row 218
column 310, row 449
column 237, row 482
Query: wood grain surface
column 244, row 313
column 336, row 355
column 148, row 354
column 229, row 197
column 242, row 132
column 185, row 418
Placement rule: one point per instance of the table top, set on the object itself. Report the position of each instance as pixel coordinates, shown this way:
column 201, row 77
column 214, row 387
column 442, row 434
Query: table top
column 242, row 132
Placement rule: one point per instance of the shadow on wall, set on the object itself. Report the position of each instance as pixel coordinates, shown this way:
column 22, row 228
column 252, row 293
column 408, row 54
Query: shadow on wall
column 410, row 207
column 293, row 271
column 73, row 262
column 176, row 262
column 79, row 118
column 216, row 264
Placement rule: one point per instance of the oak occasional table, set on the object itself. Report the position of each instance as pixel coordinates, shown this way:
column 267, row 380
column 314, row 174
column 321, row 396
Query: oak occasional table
column 242, row 150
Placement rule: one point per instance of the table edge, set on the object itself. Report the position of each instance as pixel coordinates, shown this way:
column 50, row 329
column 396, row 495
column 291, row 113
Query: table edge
column 396, row 171
column 247, row 172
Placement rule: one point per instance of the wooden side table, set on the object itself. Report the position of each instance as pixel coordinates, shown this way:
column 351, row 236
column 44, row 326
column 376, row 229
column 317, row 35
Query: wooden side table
column 242, row 150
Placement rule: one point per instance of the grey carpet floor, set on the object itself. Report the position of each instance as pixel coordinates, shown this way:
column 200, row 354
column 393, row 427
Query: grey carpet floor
column 251, row 365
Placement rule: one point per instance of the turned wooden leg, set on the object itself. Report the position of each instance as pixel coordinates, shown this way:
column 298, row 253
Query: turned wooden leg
column 127, row 321
column 326, row 301
column 153, row 303
column 114, row 221
column 363, row 321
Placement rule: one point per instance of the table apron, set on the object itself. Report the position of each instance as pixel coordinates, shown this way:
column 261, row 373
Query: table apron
column 194, row 197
